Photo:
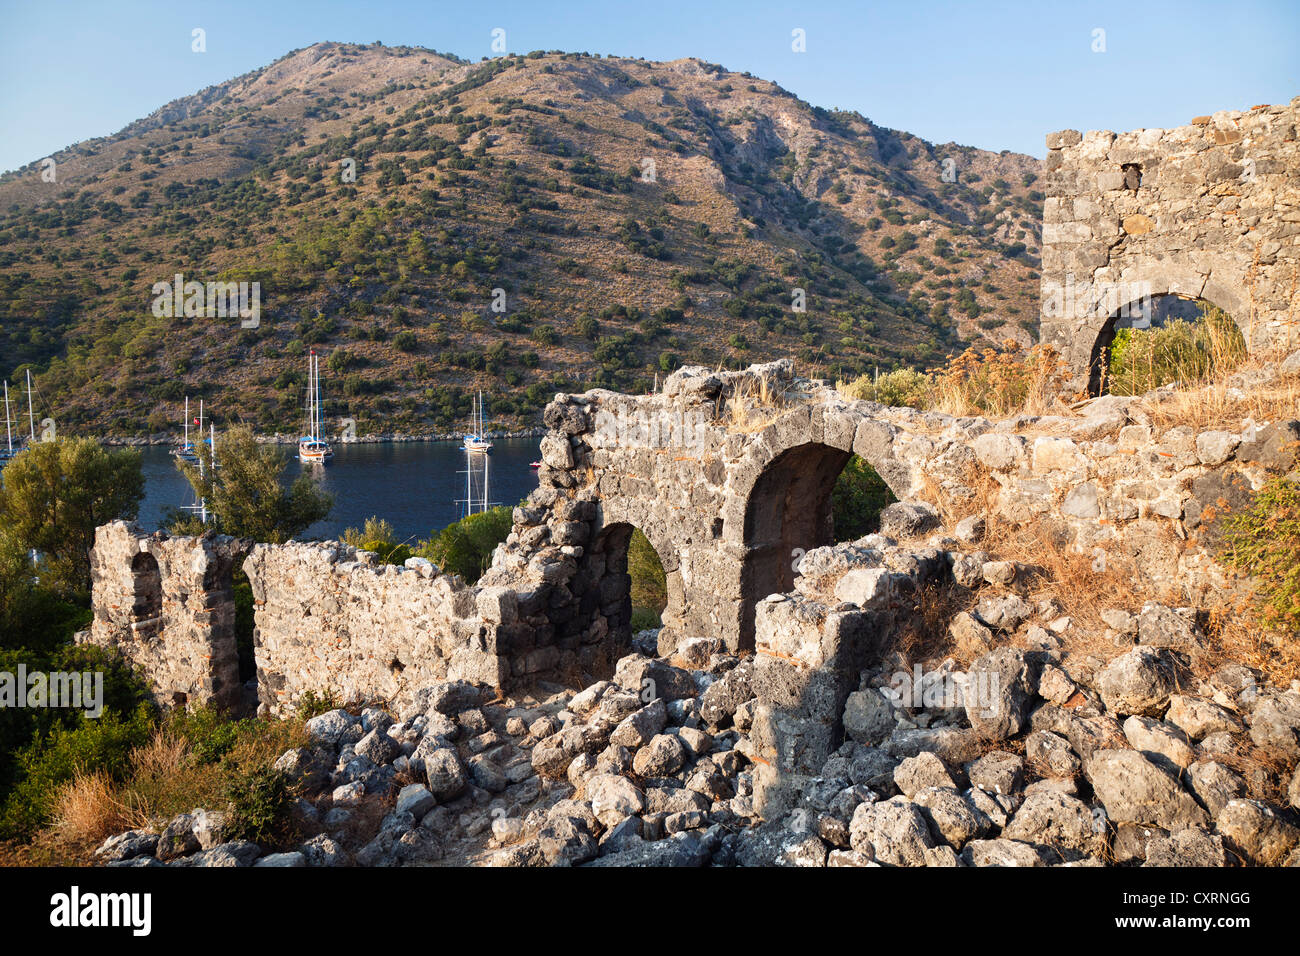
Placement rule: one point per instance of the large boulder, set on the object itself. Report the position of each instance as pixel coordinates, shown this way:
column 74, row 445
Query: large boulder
column 1135, row 790
column 613, row 798
column 1190, row 846
column 663, row 756
column 177, row 838
column 868, row 716
column 894, row 830
column 999, row 689
column 1142, row 681
column 952, row 818
column 1275, row 723
column 922, row 771
column 1054, row 819
column 1159, row 741
column 445, row 774
column 1256, row 832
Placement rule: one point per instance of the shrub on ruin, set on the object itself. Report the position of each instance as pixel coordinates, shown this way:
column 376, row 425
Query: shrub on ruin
column 1264, row 541
column 1180, row 352
column 465, row 547
column 379, row 537
column 901, row 387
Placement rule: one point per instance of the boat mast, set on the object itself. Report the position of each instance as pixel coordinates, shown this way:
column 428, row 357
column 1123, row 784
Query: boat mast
column 311, row 396
column 320, row 405
column 212, row 445
column 186, row 446
column 31, row 415
column 9, row 429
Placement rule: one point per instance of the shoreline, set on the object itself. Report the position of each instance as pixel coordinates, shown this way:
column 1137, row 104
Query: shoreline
column 376, row 439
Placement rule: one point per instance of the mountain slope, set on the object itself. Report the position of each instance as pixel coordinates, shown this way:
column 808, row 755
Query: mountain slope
column 622, row 216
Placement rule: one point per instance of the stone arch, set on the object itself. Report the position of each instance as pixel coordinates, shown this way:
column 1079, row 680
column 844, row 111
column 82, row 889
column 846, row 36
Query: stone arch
column 146, row 593
column 1101, row 329
column 603, row 585
column 788, row 511
column 782, row 500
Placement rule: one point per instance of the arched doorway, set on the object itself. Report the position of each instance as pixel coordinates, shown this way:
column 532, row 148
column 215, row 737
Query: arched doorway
column 624, row 585
column 1161, row 338
column 146, row 589
column 807, row 497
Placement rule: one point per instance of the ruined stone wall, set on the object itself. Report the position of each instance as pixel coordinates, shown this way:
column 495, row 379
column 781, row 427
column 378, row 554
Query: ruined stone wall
column 1209, row 210
column 167, row 605
column 730, row 478
column 849, row 606
column 330, row 618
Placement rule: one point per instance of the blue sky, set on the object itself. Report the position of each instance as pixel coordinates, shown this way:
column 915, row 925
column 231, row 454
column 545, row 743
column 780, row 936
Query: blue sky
column 992, row 75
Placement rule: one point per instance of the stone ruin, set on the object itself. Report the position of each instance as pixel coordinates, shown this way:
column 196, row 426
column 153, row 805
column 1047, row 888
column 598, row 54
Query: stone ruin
column 1209, row 211
column 730, row 474
column 773, row 736
column 167, row 604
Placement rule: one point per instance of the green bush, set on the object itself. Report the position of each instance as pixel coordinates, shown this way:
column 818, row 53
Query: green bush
column 857, row 499
column 465, row 547
column 209, row 733
column 101, row 744
column 902, row 386
column 1140, row 360
column 379, row 536
column 259, row 802
column 1264, row 541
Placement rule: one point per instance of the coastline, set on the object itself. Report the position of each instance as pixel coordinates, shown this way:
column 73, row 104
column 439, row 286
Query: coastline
column 380, row 438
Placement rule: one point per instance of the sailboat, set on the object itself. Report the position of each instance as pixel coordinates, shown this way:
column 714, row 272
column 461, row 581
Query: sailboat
column 477, row 473
column 200, row 505
column 187, row 452
column 476, row 440
column 10, row 449
column 312, row 447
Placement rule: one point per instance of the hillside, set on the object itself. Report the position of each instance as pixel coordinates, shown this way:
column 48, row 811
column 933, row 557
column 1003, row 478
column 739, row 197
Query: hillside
column 635, row 215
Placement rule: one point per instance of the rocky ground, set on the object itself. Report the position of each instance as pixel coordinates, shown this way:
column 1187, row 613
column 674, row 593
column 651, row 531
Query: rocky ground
column 1034, row 755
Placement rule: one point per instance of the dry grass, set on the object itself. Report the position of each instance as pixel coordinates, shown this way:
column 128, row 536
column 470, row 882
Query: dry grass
column 167, row 778
column 1214, row 403
column 994, row 382
column 924, row 634
column 1001, row 382
column 1087, row 583
column 754, row 403
column 1236, row 636
column 88, row 808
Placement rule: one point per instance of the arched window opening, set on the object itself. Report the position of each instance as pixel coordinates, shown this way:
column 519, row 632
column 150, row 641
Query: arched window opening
column 1161, row 340
column 146, row 607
